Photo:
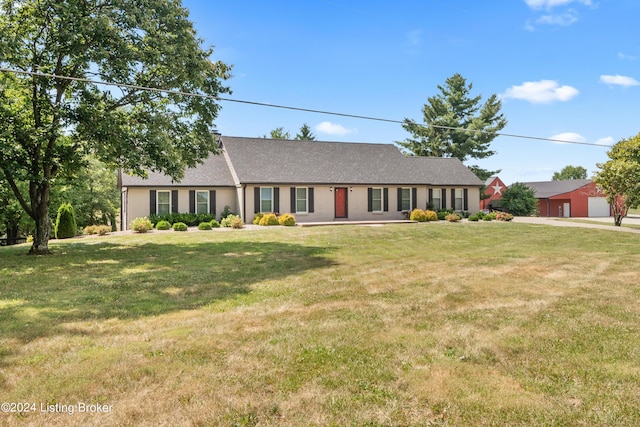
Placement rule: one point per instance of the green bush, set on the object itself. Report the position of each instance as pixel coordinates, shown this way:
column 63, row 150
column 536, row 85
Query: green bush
column 431, row 215
column 477, row 216
column 418, row 215
column 141, row 225
column 214, row 224
column 180, row 226
column 269, row 219
column 163, row 225
column 287, row 220
column 519, row 199
column 442, row 214
column 257, row 218
column 65, row 222
column 204, row 226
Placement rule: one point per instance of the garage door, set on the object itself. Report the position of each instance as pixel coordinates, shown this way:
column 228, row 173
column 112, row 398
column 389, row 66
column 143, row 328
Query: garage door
column 598, row 206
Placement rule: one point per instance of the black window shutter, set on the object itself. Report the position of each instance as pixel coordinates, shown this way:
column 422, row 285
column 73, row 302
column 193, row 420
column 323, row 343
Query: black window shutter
column 399, row 199
column 212, row 202
column 385, row 196
column 192, row 201
column 370, row 199
column 310, row 199
column 431, row 196
column 414, row 198
column 276, row 199
column 453, row 198
column 293, row 199
column 152, row 202
column 256, row 199
column 174, row 201
column 444, row 198
column 466, row 199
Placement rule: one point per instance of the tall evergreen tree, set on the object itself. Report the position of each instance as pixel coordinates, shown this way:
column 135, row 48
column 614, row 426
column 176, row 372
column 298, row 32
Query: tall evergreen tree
column 305, row 134
column 457, row 125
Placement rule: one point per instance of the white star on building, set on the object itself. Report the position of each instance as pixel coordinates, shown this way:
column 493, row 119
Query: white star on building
column 497, row 189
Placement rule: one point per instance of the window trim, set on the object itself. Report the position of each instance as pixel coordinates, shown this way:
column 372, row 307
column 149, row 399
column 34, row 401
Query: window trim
column 402, row 199
column 439, row 198
column 458, row 192
column 158, row 192
column 264, row 200
column 206, row 202
column 373, row 199
column 306, row 200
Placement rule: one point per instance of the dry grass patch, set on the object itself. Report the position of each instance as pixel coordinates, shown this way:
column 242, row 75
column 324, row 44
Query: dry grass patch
column 431, row 324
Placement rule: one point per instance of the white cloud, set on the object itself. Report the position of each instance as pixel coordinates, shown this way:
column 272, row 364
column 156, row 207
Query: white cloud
column 333, row 129
column 624, row 57
column 549, row 4
column 564, row 19
column 568, row 137
column 619, row 80
column 540, row 92
column 607, row 140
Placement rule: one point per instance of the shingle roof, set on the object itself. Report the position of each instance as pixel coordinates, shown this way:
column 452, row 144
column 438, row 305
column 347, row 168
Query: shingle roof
column 214, row 171
column 546, row 189
column 260, row 160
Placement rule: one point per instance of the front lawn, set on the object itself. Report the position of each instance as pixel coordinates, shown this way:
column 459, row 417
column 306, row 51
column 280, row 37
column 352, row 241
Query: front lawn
column 413, row 324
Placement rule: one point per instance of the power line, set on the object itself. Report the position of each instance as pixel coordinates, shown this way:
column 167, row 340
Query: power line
column 285, row 107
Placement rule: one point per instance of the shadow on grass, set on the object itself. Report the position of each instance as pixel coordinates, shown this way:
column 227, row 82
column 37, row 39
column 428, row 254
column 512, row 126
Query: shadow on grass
column 105, row 280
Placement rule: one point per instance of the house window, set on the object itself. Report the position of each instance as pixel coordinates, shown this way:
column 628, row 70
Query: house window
column 301, row 200
column 266, row 199
column 406, row 199
column 436, row 200
column 202, row 202
column 163, row 202
column 458, row 203
column 376, row 199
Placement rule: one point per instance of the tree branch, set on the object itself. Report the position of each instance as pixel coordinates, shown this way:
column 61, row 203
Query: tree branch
column 18, row 194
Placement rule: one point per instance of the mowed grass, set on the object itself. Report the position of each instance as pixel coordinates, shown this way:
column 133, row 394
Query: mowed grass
column 399, row 325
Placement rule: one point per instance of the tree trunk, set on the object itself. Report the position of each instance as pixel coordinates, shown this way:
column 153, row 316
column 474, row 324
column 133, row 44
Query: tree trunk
column 617, row 219
column 42, row 234
column 12, row 233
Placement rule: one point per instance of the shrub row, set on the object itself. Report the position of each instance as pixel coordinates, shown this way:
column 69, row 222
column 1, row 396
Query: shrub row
column 494, row 215
column 191, row 219
column 142, row 225
column 267, row 219
column 423, row 215
column 97, row 229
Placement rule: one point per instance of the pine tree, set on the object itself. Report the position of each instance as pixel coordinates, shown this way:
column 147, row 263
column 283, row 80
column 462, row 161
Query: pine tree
column 66, row 222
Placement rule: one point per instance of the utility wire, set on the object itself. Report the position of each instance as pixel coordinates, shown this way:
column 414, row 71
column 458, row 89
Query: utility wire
column 285, row 107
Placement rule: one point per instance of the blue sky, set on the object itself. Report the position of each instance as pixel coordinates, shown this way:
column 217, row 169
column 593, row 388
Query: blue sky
column 565, row 69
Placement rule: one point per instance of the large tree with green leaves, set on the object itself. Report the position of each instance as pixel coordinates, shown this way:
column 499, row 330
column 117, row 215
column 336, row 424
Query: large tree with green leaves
column 48, row 124
column 619, row 178
column 456, row 125
column 519, row 199
column 570, row 172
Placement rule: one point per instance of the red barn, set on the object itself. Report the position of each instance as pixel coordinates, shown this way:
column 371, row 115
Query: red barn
column 570, row 198
column 493, row 191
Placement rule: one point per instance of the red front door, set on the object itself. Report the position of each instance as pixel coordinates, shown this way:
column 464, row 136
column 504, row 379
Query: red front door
column 341, row 202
